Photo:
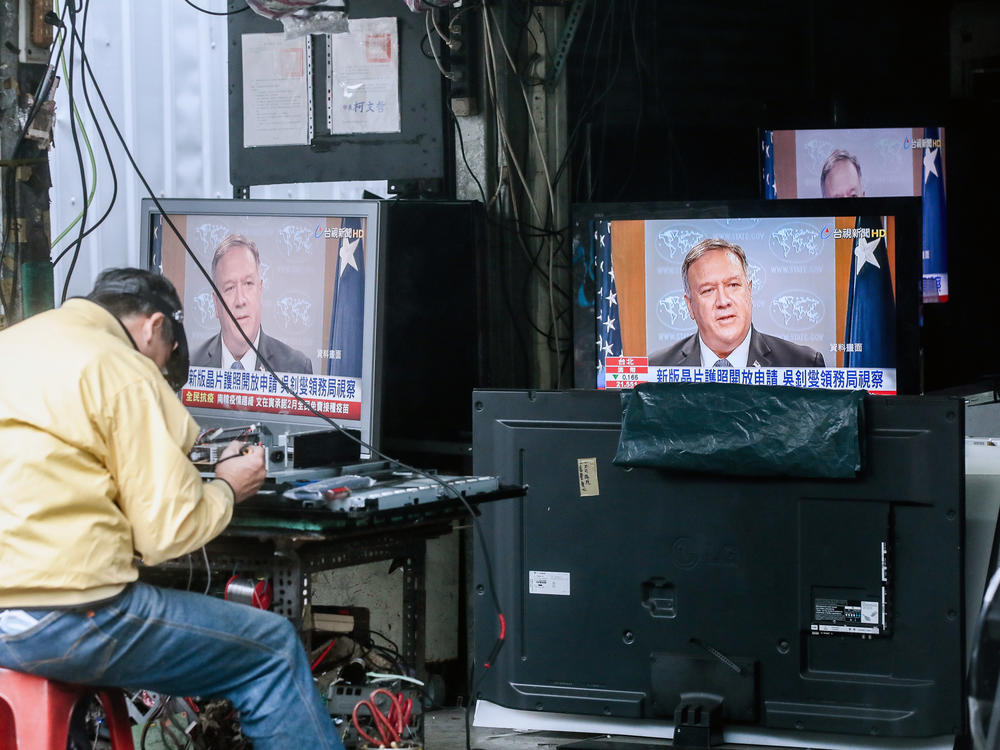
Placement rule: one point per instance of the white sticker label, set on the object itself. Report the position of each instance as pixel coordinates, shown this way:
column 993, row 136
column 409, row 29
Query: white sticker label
column 869, row 612
column 547, row 582
column 586, row 469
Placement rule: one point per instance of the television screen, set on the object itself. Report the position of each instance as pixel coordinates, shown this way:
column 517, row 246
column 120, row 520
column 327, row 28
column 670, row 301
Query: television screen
column 823, row 293
column 819, row 605
column 300, row 279
column 872, row 163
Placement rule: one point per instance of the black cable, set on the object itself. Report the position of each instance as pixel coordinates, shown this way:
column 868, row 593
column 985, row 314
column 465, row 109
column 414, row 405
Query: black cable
column 74, row 41
column 267, row 365
column 388, row 640
column 641, row 100
column 107, row 155
column 461, row 147
column 592, row 102
column 216, row 12
column 602, row 151
column 9, row 186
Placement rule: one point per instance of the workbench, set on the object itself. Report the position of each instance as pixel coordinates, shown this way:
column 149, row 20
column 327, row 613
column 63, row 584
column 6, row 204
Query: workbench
column 287, row 544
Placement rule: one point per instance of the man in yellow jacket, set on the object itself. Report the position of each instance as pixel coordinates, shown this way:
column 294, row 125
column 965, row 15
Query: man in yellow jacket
column 94, row 474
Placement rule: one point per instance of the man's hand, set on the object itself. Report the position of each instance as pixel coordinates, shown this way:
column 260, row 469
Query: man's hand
column 242, row 466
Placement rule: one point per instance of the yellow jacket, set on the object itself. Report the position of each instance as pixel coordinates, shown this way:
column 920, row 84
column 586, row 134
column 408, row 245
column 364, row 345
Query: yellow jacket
column 93, row 462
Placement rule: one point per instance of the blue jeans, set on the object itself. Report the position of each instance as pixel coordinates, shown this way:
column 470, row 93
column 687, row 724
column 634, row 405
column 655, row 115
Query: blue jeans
column 184, row 644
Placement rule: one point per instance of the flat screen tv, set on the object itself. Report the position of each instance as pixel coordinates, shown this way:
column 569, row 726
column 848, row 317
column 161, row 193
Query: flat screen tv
column 301, row 278
column 834, row 283
column 867, row 162
column 802, row 605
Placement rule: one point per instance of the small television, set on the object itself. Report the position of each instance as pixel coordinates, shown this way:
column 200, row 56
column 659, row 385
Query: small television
column 836, row 283
column 867, row 162
column 804, row 605
column 316, row 302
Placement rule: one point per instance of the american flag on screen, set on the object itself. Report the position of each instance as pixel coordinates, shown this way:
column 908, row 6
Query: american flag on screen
column 348, row 316
column 871, row 306
column 609, row 335
column 767, row 154
column 935, row 229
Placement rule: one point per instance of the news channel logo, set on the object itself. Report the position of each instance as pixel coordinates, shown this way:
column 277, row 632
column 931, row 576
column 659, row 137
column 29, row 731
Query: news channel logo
column 796, row 242
column 919, row 143
column 797, row 310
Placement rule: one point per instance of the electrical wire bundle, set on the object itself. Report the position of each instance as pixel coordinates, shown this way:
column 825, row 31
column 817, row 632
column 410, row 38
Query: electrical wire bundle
column 175, row 721
column 524, row 204
column 346, row 659
column 536, row 253
column 388, row 718
column 22, row 153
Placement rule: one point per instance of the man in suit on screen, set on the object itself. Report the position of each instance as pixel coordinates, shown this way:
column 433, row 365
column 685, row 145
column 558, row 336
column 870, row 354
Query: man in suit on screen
column 236, row 273
column 719, row 296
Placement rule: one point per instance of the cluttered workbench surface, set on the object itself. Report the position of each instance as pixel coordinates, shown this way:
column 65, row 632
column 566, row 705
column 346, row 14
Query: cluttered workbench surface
column 364, row 498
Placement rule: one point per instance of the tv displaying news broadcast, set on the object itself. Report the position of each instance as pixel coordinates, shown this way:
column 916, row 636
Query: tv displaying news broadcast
column 828, row 300
column 870, row 163
column 300, row 285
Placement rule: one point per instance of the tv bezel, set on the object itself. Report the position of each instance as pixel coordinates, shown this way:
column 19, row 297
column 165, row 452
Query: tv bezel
column 909, row 274
column 367, row 427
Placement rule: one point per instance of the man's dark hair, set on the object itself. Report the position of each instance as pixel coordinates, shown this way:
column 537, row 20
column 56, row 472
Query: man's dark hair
column 135, row 291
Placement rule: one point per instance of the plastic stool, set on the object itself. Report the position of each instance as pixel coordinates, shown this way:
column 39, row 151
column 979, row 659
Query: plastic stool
column 35, row 712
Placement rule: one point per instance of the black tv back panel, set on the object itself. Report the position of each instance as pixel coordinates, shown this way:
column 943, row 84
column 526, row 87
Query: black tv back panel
column 800, row 604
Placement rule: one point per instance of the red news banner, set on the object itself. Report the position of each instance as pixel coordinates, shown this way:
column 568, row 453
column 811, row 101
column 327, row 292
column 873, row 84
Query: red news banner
column 270, row 404
column 213, row 388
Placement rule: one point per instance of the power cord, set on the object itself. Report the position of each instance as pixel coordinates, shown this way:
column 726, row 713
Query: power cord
column 54, row 20
column 449, row 490
column 9, row 186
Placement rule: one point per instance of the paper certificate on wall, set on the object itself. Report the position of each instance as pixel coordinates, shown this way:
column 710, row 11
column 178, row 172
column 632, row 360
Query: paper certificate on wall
column 363, row 78
column 277, row 105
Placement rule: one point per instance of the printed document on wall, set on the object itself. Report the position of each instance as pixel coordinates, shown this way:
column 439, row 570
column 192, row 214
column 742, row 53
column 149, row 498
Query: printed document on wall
column 277, row 103
column 363, row 77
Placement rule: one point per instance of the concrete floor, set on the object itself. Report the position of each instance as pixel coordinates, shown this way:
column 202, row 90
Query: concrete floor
column 445, row 730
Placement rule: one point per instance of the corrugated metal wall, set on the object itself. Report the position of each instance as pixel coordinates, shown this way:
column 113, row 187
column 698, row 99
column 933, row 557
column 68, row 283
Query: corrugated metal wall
column 162, row 68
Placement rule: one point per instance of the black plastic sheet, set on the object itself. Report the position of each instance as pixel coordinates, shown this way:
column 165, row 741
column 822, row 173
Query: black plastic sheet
column 742, row 430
